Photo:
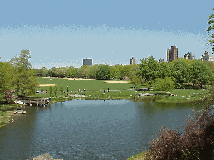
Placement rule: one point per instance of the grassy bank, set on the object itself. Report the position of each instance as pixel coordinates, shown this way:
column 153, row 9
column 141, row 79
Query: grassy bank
column 7, row 112
column 139, row 156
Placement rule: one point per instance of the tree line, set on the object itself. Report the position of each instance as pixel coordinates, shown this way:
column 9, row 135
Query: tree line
column 151, row 73
column 99, row 72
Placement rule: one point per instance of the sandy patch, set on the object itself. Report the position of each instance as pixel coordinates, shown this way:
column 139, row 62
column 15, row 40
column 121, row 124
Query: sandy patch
column 46, row 85
column 116, row 81
column 68, row 78
column 77, row 79
column 46, row 77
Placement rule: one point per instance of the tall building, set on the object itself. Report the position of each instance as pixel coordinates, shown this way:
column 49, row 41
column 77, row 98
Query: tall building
column 172, row 54
column 133, row 61
column 189, row 56
column 87, row 62
column 207, row 57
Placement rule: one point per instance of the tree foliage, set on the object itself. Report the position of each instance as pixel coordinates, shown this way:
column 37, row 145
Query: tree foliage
column 149, row 69
column 114, row 73
column 6, row 81
column 201, row 73
column 210, row 28
column 103, row 72
column 181, row 71
column 25, row 80
column 165, row 84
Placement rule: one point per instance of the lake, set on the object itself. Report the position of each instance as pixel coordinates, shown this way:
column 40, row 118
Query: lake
column 89, row 129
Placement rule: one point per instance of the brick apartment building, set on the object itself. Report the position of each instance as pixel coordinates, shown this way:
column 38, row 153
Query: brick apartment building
column 172, row 54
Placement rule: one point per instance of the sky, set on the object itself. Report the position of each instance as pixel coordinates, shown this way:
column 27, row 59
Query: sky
column 61, row 33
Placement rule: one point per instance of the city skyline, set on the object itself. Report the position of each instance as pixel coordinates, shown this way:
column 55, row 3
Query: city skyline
column 106, row 31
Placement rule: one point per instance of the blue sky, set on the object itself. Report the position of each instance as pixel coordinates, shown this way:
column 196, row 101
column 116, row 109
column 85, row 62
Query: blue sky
column 63, row 32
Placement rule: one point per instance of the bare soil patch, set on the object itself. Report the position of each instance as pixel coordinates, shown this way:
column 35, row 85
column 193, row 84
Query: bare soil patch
column 77, row 79
column 46, row 85
column 116, row 81
column 68, row 78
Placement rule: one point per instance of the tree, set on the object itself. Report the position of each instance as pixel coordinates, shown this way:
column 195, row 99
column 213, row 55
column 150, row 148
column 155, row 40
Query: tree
column 92, row 71
column 44, row 72
column 210, row 28
column 22, row 60
column 84, row 71
column 61, row 72
column 136, row 81
column 161, row 84
column 103, row 72
column 6, row 81
column 148, row 69
column 120, row 71
column 126, row 71
column 71, row 72
column 114, row 73
column 25, row 80
column 165, row 70
column 181, row 71
column 201, row 73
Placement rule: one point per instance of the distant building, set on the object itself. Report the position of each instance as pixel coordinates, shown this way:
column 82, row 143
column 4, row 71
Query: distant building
column 161, row 60
column 133, row 61
column 172, row 54
column 207, row 57
column 87, row 62
column 189, row 56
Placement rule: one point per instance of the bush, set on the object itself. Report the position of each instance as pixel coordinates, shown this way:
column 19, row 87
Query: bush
column 165, row 84
column 196, row 143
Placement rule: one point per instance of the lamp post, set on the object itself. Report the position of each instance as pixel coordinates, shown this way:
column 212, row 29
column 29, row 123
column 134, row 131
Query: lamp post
column 67, row 90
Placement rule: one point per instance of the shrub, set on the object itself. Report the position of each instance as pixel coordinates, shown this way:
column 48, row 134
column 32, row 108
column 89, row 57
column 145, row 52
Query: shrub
column 196, row 143
column 165, row 84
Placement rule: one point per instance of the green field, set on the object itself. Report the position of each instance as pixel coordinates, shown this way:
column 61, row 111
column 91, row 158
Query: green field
column 95, row 89
column 90, row 85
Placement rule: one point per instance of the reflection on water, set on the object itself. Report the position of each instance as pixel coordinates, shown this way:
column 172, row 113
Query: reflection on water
column 95, row 129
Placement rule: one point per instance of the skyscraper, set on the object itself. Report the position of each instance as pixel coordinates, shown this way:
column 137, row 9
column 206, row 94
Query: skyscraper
column 189, row 56
column 87, row 62
column 171, row 54
column 133, row 61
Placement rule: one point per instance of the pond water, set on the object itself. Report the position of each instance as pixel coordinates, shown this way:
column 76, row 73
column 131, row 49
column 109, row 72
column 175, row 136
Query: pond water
column 89, row 129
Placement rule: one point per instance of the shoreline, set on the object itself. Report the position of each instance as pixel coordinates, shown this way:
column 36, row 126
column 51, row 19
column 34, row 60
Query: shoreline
column 4, row 120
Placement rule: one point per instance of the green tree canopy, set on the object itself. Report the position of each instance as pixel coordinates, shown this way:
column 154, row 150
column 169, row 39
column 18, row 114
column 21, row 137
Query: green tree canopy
column 161, row 84
column 210, row 28
column 71, row 72
column 6, row 81
column 103, row 72
column 181, row 71
column 201, row 73
column 165, row 70
column 25, row 80
column 149, row 69
column 114, row 73
column 92, row 71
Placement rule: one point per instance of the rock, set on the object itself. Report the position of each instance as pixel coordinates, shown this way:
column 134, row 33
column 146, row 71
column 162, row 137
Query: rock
column 45, row 156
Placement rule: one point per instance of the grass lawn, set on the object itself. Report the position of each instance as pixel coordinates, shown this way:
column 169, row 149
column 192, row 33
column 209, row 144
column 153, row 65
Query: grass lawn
column 95, row 89
column 184, row 95
column 74, row 85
